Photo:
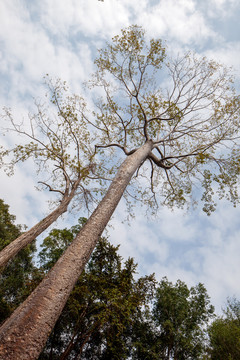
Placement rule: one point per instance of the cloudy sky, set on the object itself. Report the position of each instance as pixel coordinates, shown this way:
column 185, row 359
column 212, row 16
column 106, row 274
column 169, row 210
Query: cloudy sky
column 61, row 38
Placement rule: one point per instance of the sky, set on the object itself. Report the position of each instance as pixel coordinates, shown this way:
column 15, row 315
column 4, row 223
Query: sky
column 61, row 38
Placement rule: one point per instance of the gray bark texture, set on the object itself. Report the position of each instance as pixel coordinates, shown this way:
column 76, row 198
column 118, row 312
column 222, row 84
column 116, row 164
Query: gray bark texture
column 24, row 334
column 23, row 240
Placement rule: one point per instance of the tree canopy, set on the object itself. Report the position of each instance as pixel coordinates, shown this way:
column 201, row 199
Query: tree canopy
column 59, row 145
column 56, row 139
column 99, row 315
column 186, row 106
column 181, row 315
column 14, row 277
column 110, row 315
column 224, row 333
column 114, row 314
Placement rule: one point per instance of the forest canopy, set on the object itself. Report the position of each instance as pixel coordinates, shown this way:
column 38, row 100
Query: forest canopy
column 113, row 313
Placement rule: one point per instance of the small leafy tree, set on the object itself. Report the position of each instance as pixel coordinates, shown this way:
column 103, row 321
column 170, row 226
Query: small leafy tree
column 181, row 316
column 173, row 139
column 224, row 333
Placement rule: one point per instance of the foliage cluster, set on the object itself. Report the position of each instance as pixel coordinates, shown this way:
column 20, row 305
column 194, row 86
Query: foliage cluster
column 187, row 107
column 111, row 314
column 20, row 269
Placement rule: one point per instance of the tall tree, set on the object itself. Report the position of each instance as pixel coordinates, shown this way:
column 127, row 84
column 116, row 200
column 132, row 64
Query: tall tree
column 18, row 271
column 172, row 139
column 224, row 333
column 58, row 142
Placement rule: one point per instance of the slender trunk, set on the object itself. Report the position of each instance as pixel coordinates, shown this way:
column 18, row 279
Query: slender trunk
column 71, row 344
column 51, row 351
column 95, row 327
column 24, row 334
column 23, row 240
column 75, row 340
column 68, row 349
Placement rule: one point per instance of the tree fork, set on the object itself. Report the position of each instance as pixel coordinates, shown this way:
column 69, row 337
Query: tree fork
column 25, row 333
column 26, row 238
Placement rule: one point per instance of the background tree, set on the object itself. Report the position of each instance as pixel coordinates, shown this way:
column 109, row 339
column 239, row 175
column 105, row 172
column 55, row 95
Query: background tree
column 224, row 333
column 181, row 316
column 173, row 139
column 145, row 344
column 19, row 270
column 103, row 306
column 58, row 142
column 98, row 318
column 108, row 313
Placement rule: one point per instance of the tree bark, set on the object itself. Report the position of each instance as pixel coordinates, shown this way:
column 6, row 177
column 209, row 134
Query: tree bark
column 24, row 334
column 23, row 240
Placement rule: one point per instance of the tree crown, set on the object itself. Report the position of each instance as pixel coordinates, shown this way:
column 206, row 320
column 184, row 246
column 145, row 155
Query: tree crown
column 192, row 121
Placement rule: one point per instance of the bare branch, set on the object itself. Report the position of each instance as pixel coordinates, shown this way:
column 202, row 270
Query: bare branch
column 50, row 188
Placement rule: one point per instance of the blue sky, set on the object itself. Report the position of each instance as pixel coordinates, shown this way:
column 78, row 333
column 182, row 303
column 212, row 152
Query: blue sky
column 61, row 38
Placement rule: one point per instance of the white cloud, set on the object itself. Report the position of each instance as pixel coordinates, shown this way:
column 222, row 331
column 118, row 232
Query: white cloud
column 29, row 52
column 193, row 247
column 221, row 269
column 25, row 201
column 228, row 54
column 178, row 21
column 91, row 18
column 221, row 8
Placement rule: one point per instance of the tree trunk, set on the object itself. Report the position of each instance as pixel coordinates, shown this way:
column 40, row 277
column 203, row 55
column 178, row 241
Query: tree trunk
column 23, row 240
column 24, row 334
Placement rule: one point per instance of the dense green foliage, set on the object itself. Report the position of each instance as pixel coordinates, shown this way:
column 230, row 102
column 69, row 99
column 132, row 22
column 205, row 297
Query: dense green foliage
column 108, row 315
column 103, row 306
column 224, row 333
column 180, row 314
column 176, row 328
column 18, row 272
column 111, row 314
